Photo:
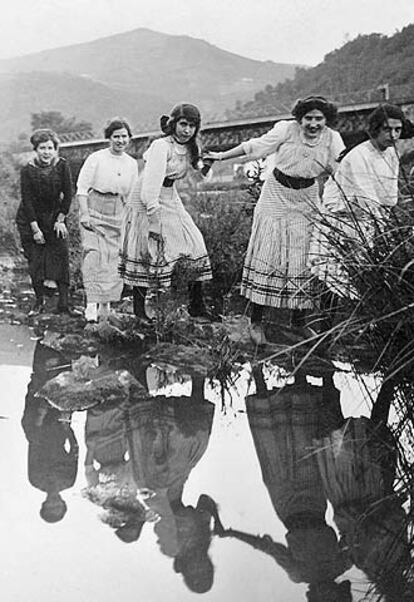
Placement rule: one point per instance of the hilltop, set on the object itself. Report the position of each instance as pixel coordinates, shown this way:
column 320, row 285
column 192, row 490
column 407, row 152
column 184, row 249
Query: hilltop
column 138, row 74
column 352, row 73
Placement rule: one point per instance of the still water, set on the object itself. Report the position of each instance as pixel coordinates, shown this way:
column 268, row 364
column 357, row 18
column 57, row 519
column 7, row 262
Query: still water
column 169, row 495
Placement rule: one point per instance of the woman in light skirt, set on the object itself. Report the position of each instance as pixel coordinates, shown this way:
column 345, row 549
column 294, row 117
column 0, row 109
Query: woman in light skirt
column 105, row 183
column 276, row 272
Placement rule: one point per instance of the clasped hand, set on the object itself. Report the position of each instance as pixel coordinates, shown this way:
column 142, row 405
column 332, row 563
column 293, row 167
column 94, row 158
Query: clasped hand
column 212, row 156
column 60, row 229
column 38, row 237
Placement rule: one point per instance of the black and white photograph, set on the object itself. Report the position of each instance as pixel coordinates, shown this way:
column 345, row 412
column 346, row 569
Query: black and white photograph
column 207, row 301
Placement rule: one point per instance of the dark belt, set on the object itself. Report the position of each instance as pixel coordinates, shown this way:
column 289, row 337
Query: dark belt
column 292, row 182
column 168, row 182
column 105, row 193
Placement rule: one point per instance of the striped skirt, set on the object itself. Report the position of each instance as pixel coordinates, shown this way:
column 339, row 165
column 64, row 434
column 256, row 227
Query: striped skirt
column 100, row 248
column 276, row 271
column 145, row 262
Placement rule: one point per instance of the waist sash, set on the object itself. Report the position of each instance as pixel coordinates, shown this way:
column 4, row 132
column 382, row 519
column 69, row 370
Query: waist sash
column 292, row 182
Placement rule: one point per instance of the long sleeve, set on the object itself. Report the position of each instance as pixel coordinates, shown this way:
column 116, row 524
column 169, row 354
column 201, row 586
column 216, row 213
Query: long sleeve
column 87, row 174
column 134, row 184
column 365, row 178
column 67, row 188
column 257, row 148
column 154, row 174
column 27, row 195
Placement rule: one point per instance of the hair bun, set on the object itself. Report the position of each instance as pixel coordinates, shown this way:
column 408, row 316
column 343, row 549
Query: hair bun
column 164, row 119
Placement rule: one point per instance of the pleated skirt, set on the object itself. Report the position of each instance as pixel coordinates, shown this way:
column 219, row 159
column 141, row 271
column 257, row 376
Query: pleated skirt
column 145, row 262
column 276, row 271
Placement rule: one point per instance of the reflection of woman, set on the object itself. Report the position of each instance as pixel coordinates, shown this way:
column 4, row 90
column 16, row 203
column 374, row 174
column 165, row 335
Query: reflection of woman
column 158, row 230
column 283, row 424
column 105, row 183
column 46, row 189
column 275, row 271
column 53, row 449
column 167, row 437
column 357, row 463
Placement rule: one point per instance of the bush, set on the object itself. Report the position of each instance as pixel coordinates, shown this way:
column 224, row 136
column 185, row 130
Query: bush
column 9, row 201
column 225, row 220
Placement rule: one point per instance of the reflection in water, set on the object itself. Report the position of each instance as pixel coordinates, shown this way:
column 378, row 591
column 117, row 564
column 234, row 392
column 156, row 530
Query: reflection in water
column 284, row 424
column 139, row 458
column 53, row 450
column 142, row 446
column 358, row 467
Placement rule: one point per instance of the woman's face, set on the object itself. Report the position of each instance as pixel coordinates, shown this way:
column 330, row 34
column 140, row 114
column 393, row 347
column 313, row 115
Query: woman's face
column 46, row 152
column 312, row 123
column 388, row 134
column 118, row 141
column 184, row 131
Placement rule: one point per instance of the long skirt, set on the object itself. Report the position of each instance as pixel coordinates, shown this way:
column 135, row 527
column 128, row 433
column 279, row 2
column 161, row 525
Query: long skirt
column 276, row 271
column 100, row 247
column 145, row 262
column 283, row 426
column 46, row 262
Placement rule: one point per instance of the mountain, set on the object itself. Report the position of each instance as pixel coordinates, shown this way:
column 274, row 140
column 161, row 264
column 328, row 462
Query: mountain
column 138, row 73
column 350, row 74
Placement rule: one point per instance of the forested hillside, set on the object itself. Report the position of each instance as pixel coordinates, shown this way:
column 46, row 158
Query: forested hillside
column 356, row 72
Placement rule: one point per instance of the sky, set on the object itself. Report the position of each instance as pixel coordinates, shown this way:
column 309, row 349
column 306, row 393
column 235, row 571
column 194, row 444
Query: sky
column 286, row 31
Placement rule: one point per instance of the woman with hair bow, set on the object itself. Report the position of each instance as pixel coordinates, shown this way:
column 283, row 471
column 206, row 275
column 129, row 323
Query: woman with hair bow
column 158, row 231
column 276, row 272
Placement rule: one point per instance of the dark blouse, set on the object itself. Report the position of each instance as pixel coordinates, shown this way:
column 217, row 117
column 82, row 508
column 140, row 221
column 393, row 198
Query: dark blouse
column 45, row 191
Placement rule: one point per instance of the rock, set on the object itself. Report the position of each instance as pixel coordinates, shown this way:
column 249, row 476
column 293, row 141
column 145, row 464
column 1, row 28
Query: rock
column 68, row 391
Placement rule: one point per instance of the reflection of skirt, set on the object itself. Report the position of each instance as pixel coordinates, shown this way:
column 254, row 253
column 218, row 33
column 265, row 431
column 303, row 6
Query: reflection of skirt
column 145, row 262
column 276, row 271
column 101, row 248
column 350, row 464
column 283, row 427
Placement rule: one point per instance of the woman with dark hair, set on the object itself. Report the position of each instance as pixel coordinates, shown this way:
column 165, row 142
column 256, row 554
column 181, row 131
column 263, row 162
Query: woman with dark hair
column 275, row 271
column 46, row 195
column 105, row 183
column 357, row 202
column 158, row 230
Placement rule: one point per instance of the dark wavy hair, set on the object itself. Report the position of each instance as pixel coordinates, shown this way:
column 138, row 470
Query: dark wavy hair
column 44, row 135
column 117, row 123
column 380, row 115
column 192, row 114
column 303, row 106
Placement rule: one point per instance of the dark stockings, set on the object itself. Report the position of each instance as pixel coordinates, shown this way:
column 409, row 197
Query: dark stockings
column 196, row 306
column 39, row 292
column 63, row 302
column 138, row 296
column 256, row 313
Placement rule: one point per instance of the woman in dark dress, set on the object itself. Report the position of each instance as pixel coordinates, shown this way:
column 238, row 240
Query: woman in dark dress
column 46, row 194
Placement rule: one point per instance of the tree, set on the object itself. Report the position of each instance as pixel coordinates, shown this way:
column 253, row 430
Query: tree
column 57, row 122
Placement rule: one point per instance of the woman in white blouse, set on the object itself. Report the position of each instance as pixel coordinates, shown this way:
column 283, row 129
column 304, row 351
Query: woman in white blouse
column 276, row 271
column 158, row 230
column 105, row 183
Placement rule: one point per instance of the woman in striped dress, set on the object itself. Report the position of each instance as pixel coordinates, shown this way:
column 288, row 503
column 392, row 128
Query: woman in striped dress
column 276, row 272
column 158, row 231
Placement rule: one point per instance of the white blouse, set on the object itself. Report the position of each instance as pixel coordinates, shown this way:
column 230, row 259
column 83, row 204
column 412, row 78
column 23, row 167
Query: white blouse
column 164, row 158
column 105, row 172
column 294, row 155
column 365, row 175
